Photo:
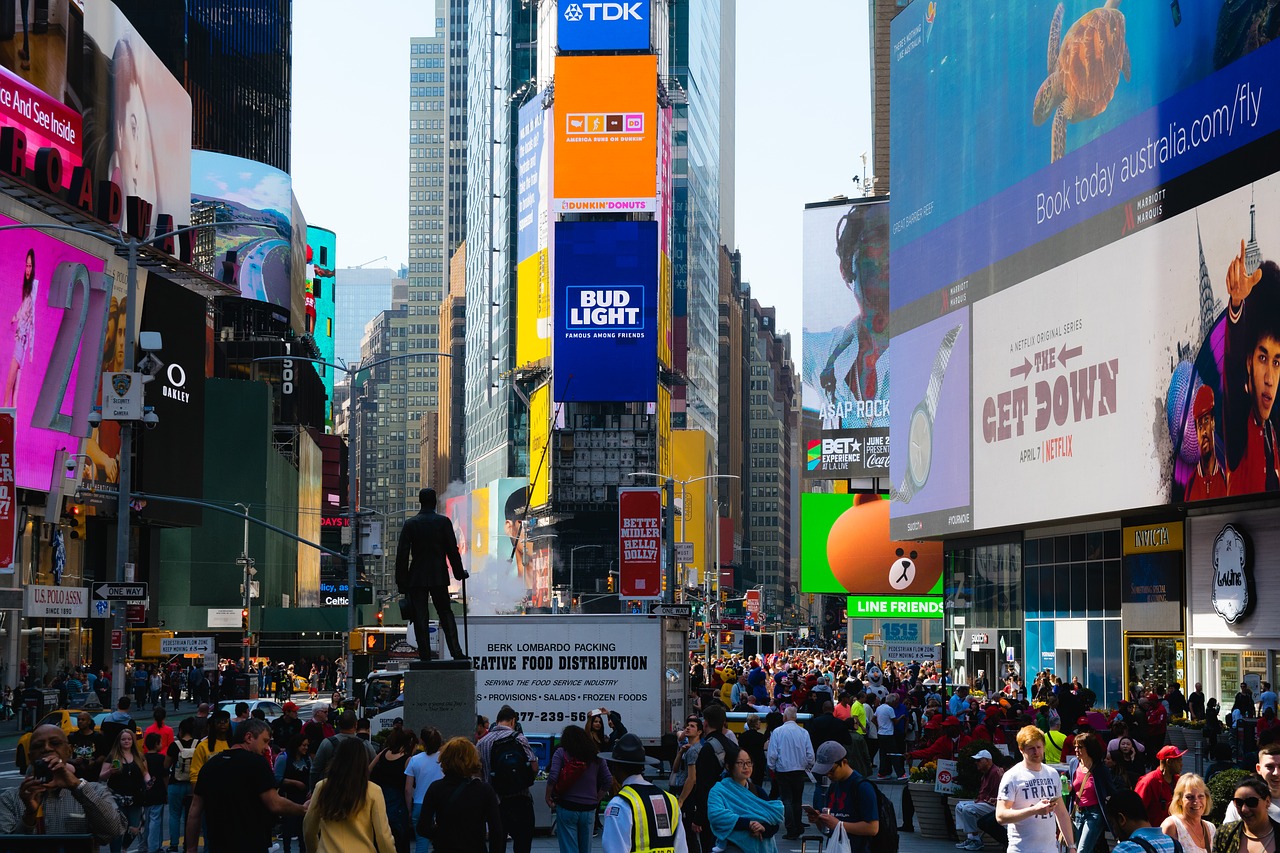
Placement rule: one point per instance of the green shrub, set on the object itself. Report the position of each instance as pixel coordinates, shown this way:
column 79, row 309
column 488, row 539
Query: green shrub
column 1221, row 788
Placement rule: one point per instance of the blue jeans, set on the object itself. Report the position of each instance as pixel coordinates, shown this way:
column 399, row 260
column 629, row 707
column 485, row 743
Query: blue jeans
column 179, row 805
column 133, row 818
column 573, row 830
column 155, row 827
column 1089, row 827
column 421, row 845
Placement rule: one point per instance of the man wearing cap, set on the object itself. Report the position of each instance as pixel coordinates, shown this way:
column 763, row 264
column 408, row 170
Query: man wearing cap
column 970, row 812
column 851, row 799
column 1209, row 479
column 947, row 745
column 1156, row 787
column 642, row 818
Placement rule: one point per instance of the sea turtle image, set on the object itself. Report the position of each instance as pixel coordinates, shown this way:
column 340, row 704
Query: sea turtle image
column 1084, row 69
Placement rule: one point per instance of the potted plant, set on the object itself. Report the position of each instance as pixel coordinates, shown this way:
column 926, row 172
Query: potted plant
column 929, row 804
column 1178, row 732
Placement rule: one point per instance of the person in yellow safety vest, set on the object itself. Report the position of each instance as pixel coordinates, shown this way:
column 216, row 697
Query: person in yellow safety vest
column 642, row 818
column 1054, row 741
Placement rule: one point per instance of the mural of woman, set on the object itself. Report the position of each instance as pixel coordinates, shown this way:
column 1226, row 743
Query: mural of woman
column 103, row 445
column 24, row 330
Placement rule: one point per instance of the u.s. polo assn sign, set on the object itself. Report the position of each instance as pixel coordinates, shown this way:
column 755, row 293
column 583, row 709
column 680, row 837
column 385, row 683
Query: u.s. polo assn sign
column 1233, row 593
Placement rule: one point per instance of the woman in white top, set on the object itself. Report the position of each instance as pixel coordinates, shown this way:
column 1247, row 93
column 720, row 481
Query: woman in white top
column 1186, row 821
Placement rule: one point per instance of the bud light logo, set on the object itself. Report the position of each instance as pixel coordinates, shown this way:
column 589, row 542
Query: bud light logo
column 605, row 26
column 611, row 309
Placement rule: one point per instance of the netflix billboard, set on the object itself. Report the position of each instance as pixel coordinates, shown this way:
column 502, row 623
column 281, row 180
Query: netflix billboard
column 640, row 543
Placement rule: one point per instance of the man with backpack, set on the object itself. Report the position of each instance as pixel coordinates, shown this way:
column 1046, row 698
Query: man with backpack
column 329, row 746
column 707, row 772
column 854, row 801
column 508, row 764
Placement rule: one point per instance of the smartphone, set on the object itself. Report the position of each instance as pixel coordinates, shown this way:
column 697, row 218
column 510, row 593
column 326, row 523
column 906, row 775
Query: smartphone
column 41, row 770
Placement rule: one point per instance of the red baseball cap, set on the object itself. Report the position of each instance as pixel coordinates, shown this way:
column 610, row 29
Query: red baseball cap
column 289, row 706
column 951, row 721
column 1203, row 403
column 1170, row 751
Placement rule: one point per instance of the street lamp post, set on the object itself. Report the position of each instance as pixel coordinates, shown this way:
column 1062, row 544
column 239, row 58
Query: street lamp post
column 669, row 485
column 129, row 244
column 353, row 517
column 574, row 550
column 247, row 563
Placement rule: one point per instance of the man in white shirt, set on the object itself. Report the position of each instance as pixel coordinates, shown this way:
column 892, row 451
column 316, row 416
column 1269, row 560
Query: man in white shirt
column 886, row 712
column 1030, row 799
column 1269, row 769
column 790, row 757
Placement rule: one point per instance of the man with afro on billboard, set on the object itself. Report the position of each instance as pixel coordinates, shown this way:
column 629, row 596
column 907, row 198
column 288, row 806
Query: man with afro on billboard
column 1252, row 362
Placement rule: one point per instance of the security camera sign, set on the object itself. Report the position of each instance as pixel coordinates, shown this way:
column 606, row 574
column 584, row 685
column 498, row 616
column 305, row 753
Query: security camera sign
column 122, row 396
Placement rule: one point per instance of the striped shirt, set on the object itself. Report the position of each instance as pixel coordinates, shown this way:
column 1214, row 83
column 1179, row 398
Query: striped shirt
column 485, row 748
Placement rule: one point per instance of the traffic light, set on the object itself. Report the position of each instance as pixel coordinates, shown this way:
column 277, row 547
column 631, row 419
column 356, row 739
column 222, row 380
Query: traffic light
column 244, row 619
column 73, row 518
column 724, row 594
column 610, row 584
column 379, row 618
column 375, row 641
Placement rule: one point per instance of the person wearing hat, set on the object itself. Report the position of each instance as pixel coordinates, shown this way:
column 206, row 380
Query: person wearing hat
column 947, row 745
column 286, row 726
column 642, row 818
column 851, row 798
column 1156, row 787
column 970, row 812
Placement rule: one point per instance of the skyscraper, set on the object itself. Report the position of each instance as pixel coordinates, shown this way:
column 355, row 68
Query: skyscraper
column 359, row 294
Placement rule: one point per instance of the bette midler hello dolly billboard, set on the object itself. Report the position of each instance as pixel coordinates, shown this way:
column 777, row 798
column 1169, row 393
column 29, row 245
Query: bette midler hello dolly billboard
column 846, row 339
column 1101, row 239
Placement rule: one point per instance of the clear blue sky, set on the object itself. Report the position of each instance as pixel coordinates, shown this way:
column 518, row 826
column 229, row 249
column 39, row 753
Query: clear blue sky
column 803, row 119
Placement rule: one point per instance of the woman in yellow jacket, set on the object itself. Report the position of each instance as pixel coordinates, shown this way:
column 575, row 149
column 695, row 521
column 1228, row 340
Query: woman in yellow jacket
column 348, row 813
column 219, row 739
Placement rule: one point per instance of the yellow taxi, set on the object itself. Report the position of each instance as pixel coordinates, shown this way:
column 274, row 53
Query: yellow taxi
column 67, row 720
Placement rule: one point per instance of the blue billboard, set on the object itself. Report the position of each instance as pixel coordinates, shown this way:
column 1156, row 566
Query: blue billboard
column 605, row 26
column 606, row 311
column 532, row 172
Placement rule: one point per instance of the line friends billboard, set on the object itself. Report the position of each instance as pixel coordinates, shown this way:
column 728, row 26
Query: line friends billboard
column 1116, row 303
column 845, row 382
column 605, row 144
column 605, row 339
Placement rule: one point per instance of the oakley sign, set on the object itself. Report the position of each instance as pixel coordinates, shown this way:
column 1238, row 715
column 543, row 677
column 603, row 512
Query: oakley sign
column 605, row 26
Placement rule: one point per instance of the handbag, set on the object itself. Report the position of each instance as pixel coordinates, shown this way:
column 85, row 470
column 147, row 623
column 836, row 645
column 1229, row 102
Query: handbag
column 839, row 841
column 407, row 612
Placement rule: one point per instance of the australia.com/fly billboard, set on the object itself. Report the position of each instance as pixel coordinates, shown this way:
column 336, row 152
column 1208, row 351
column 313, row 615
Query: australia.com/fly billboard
column 1079, row 281
column 606, row 311
column 846, row 339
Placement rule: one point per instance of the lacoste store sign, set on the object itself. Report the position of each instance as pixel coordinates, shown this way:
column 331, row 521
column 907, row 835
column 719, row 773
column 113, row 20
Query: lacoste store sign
column 1233, row 592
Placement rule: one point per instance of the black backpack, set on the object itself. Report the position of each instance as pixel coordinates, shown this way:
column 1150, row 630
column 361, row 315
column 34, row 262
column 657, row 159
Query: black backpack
column 510, row 771
column 886, row 840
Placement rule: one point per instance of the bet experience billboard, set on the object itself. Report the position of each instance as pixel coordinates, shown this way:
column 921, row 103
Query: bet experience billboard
column 846, row 340
column 845, row 549
column 605, row 142
column 606, row 311
column 604, row 26
column 1082, row 282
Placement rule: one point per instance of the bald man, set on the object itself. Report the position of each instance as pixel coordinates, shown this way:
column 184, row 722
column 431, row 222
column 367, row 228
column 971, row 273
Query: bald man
column 57, row 802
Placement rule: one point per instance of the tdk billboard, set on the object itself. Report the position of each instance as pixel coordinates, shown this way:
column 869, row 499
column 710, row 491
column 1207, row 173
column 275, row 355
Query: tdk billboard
column 606, row 311
column 604, row 26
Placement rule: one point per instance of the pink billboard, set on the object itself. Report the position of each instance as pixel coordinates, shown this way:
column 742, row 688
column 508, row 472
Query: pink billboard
column 45, row 122
column 54, row 299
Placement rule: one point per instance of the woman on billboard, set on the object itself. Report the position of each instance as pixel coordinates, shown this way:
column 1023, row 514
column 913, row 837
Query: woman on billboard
column 24, row 330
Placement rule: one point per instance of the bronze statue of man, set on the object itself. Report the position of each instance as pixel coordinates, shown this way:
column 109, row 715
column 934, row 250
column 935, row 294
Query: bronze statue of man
column 428, row 548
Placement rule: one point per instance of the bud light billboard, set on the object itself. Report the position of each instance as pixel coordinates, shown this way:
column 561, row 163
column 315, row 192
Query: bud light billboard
column 606, row 311
column 605, row 26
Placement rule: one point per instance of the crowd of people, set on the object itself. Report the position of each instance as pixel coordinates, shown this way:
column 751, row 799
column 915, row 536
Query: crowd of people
column 1050, row 772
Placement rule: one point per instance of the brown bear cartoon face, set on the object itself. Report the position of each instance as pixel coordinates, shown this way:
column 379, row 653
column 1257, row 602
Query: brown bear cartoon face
column 902, row 571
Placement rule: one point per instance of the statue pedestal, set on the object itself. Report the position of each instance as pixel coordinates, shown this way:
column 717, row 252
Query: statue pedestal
column 438, row 694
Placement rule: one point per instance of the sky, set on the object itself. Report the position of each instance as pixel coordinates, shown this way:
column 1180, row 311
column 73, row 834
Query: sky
column 803, row 120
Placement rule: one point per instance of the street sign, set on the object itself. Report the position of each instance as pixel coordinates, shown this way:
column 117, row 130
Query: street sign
column 684, row 552
column 117, row 638
column 752, row 601
column 135, row 613
column 120, row 591
column 874, row 644
column 903, row 652
column 186, row 645
column 210, row 661
column 683, row 611
column 714, row 626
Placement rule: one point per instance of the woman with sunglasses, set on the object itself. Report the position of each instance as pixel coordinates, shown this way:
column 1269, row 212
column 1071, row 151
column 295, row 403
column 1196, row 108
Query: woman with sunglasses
column 1256, row 832
column 1191, row 802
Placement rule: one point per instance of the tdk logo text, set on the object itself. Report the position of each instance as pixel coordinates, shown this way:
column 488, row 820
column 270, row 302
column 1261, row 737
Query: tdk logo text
column 604, row 12
column 605, row 26
column 614, row 308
